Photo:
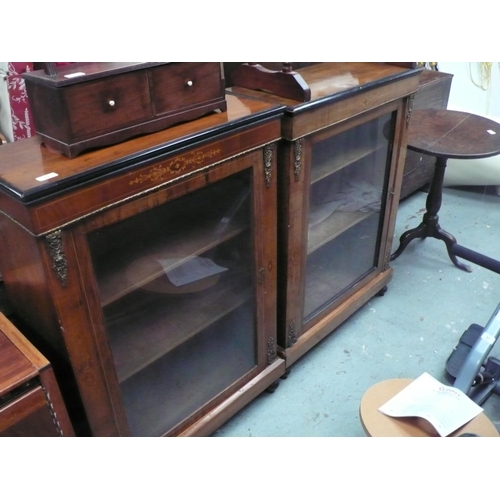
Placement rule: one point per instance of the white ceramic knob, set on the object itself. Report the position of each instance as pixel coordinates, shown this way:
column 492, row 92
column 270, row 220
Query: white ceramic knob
column 111, row 103
column 189, row 83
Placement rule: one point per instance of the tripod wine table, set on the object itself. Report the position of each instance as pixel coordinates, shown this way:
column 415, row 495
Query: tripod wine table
column 449, row 134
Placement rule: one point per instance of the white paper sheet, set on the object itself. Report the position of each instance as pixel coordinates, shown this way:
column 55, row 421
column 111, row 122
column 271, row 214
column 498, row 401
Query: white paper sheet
column 194, row 269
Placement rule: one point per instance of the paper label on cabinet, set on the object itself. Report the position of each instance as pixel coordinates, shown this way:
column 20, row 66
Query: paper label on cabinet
column 194, row 269
column 46, row 177
column 74, row 75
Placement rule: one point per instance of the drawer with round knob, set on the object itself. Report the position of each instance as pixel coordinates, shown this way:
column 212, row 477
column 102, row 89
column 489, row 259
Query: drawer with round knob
column 106, row 104
column 189, row 83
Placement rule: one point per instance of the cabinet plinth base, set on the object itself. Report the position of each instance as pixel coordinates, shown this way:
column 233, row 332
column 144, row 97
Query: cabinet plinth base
column 326, row 326
column 214, row 419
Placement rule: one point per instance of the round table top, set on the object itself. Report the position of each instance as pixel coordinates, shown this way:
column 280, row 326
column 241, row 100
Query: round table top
column 453, row 134
column 376, row 424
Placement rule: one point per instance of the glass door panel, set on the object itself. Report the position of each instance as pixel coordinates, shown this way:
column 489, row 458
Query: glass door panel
column 176, row 288
column 348, row 178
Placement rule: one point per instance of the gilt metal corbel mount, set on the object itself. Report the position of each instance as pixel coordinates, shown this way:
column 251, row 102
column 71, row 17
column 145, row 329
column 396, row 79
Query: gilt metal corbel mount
column 298, row 147
column 59, row 262
column 268, row 163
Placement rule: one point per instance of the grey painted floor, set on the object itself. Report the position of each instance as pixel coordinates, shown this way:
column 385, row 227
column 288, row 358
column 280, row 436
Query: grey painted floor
column 412, row 329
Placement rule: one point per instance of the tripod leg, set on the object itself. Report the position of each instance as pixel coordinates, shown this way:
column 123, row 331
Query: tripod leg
column 432, row 204
column 450, row 241
column 419, row 232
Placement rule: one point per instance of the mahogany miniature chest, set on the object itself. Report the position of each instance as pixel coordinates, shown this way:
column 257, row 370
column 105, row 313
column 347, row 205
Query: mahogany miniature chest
column 86, row 105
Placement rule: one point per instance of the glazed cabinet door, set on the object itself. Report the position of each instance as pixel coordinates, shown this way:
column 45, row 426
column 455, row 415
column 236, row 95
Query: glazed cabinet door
column 346, row 193
column 185, row 289
column 338, row 191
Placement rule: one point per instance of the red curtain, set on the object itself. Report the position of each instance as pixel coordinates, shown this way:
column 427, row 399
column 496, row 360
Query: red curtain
column 22, row 120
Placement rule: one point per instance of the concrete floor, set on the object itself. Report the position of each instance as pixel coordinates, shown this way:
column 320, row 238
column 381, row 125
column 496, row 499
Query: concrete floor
column 412, row 329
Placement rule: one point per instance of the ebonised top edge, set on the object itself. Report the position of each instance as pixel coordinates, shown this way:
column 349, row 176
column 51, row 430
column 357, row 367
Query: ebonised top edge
column 122, row 164
column 306, row 106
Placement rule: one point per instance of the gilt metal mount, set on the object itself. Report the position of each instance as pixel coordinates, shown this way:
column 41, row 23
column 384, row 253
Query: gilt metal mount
column 272, row 352
column 268, row 163
column 59, row 263
column 297, row 165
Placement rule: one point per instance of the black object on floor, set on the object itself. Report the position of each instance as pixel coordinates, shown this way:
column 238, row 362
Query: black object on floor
column 475, row 374
column 457, row 358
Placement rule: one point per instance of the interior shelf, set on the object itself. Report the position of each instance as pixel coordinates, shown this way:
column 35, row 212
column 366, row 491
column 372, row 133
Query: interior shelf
column 196, row 372
column 325, row 164
column 331, row 270
column 194, row 239
column 144, row 326
column 332, row 227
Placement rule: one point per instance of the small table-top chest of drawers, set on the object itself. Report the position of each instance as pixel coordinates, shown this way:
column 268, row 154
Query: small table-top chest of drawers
column 30, row 401
column 87, row 105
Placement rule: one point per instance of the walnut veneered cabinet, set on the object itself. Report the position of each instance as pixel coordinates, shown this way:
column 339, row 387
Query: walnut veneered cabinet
column 340, row 161
column 149, row 268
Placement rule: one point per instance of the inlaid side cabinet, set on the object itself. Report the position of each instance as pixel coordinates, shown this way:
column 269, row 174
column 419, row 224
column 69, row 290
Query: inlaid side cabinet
column 340, row 162
column 149, row 269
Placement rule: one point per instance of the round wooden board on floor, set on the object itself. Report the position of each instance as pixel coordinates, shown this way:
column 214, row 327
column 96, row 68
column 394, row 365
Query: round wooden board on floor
column 376, row 424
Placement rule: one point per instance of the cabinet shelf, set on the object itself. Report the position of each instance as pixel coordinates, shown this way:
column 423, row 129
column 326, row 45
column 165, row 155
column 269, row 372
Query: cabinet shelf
column 144, row 326
column 328, row 163
column 195, row 239
column 332, row 227
column 321, row 267
column 191, row 374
